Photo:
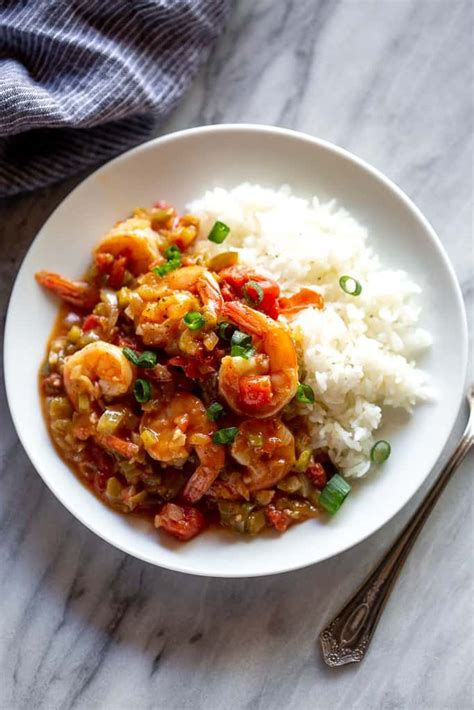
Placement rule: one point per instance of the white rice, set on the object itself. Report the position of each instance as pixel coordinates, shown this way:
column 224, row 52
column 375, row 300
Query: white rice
column 358, row 352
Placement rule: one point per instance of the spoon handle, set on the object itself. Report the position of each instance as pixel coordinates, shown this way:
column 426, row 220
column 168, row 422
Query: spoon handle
column 347, row 638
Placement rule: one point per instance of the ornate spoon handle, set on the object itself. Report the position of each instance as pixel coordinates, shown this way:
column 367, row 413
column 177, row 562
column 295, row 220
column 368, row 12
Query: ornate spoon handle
column 347, row 637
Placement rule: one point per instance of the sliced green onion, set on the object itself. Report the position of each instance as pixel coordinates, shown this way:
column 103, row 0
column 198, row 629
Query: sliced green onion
column 194, row 320
column 164, row 269
column 142, row 390
column 380, row 451
column 334, row 493
column 253, row 293
column 241, row 345
column 173, row 252
column 239, row 351
column 225, row 330
column 305, row 394
column 242, row 339
column 215, row 411
column 131, row 355
column 146, row 359
column 225, row 436
column 218, row 233
column 350, row 285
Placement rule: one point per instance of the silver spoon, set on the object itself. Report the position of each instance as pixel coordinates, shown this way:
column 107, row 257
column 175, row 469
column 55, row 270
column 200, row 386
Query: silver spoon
column 347, row 638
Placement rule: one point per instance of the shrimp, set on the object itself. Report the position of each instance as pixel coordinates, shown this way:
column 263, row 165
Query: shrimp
column 134, row 239
column 170, row 433
column 160, row 322
column 267, row 449
column 263, row 384
column 197, row 277
column 98, row 369
column 78, row 293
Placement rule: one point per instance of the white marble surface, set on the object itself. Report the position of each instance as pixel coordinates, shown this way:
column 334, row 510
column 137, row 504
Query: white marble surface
column 82, row 625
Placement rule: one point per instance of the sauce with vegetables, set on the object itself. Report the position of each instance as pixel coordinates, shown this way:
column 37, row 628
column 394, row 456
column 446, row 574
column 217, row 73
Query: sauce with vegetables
column 171, row 384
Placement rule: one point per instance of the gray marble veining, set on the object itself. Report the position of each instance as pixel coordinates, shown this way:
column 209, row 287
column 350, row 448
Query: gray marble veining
column 84, row 626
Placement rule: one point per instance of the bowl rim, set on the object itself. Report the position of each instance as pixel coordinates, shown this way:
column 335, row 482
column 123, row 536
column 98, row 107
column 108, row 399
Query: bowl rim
column 183, row 566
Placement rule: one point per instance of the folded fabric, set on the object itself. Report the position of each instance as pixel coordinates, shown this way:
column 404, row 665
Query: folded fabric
column 82, row 80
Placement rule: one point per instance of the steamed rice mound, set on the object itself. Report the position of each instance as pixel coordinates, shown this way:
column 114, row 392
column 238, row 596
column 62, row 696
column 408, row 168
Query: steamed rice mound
column 358, row 353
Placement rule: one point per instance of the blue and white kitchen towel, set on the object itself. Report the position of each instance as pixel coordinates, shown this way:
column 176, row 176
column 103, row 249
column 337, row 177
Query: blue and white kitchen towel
column 83, row 80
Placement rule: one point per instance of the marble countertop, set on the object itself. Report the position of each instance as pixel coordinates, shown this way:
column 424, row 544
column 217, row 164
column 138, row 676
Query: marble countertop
column 83, row 625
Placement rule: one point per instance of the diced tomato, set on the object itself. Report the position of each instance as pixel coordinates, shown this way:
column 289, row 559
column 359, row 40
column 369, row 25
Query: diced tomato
column 317, row 475
column 181, row 521
column 278, row 518
column 303, row 299
column 235, row 278
column 255, row 390
column 92, row 321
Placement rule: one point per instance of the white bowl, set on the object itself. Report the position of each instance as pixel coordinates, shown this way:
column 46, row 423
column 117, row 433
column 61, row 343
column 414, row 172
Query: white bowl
column 178, row 168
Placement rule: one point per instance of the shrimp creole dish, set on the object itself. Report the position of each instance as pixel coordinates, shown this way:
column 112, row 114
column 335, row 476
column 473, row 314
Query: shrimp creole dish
column 230, row 366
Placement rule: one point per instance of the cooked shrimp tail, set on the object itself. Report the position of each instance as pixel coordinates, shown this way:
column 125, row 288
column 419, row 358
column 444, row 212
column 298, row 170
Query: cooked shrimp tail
column 210, row 294
column 265, row 383
column 77, row 293
column 211, row 459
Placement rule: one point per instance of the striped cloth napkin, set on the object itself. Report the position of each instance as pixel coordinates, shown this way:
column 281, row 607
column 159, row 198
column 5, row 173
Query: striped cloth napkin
column 82, row 80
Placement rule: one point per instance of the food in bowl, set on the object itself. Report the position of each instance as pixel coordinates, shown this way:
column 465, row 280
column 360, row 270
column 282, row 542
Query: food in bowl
column 230, row 366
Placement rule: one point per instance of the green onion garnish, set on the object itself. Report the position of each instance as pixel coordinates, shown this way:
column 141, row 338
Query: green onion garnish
column 241, row 345
column 194, row 320
column 146, row 359
column 131, row 355
column 305, row 394
column 225, row 436
column 380, row 451
column 334, row 493
column 239, row 338
column 225, row 330
column 173, row 254
column 164, row 269
column 350, row 285
column 142, row 390
column 218, row 233
column 215, row 411
column 253, row 293
column 239, row 351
